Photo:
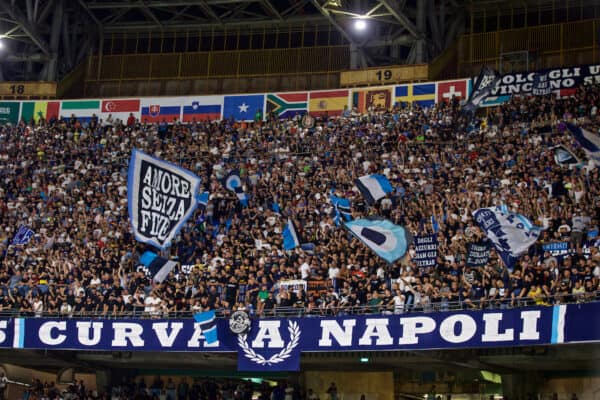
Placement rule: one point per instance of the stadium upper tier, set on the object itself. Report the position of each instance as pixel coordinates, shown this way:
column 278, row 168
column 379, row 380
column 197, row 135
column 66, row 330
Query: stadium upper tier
column 64, row 182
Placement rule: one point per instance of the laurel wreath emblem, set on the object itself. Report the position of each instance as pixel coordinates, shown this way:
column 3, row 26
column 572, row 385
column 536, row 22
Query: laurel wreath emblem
column 294, row 330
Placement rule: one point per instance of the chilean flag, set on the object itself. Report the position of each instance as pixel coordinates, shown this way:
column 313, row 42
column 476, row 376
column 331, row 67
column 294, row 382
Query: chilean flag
column 158, row 113
column 201, row 112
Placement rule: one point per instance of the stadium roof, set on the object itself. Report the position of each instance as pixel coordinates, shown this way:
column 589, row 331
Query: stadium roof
column 45, row 39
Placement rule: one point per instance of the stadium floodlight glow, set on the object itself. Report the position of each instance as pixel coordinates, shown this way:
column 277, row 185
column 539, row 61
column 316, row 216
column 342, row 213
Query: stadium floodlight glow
column 1, row 42
column 364, row 359
column 360, row 24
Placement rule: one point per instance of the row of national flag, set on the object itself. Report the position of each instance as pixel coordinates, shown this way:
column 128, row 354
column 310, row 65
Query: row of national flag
column 245, row 107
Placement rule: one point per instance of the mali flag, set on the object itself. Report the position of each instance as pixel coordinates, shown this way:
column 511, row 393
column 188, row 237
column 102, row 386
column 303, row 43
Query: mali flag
column 422, row 94
column 378, row 98
column 39, row 109
column 331, row 102
column 287, row 105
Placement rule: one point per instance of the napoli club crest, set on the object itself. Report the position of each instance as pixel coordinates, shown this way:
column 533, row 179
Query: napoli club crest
column 239, row 322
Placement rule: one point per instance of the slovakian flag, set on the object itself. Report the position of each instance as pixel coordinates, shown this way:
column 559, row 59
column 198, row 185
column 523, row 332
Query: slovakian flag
column 208, row 324
column 201, row 112
column 155, row 267
column 158, row 113
column 373, row 187
column 387, row 240
column 291, row 238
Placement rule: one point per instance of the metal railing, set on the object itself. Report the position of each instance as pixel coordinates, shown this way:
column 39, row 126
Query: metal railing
column 321, row 312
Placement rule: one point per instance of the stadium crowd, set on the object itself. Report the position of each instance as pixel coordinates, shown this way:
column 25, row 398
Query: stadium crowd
column 67, row 181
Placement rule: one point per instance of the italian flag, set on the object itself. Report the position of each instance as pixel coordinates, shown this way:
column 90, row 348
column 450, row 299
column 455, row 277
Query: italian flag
column 39, row 109
column 82, row 109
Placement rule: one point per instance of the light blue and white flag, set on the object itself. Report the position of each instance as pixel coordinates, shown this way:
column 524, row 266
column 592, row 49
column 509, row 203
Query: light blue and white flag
column 203, row 199
column 512, row 234
column 155, row 267
column 589, row 141
column 208, row 325
column 161, row 197
column 341, row 207
column 23, row 236
column 387, row 240
column 563, row 156
column 373, row 187
column 291, row 239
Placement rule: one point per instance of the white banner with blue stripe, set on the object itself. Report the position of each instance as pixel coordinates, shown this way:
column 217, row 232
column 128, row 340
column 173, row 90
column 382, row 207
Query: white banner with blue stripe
column 512, row 234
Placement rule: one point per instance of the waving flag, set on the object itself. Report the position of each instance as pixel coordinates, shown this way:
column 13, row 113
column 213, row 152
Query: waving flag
column 155, row 267
column 387, row 240
column 512, row 234
column 208, row 325
column 161, row 197
column 203, row 199
column 291, row 238
column 589, row 141
column 373, row 187
column 233, row 183
column 487, row 80
column 342, row 209
column 23, row 236
column 563, row 156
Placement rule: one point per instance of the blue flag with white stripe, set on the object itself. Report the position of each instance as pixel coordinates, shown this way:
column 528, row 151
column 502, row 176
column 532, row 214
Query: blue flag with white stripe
column 387, row 240
column 341, row 207
column 208, row 325
column 512, row 234
column 291, row 239
column 589, row 141
column 373, row 187
column 202, row 199
column 23, row 236
column 155, row 267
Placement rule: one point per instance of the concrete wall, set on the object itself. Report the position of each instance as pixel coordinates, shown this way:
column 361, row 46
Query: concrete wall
column 351, row 385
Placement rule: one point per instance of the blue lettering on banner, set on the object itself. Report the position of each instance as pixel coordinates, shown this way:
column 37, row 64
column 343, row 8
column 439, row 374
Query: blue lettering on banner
column 278, row 343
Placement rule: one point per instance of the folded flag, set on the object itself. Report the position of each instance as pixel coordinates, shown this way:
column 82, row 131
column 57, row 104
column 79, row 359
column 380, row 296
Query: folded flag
column 23, row 236
column 387, row 240
column 202, row 199
column 512, row 234
column 588, row 141
column 373, row 187
column 155, row 266
column 342, row 209
column 563, row 156
column 208, row 325
column 291, row 239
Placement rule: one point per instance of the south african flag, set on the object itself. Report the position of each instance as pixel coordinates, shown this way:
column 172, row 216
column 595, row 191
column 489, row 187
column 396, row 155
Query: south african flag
column 287, row 105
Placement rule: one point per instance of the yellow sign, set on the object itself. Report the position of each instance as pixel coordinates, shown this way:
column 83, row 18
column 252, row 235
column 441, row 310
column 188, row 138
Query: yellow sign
column 385, row 75
column 28, row 89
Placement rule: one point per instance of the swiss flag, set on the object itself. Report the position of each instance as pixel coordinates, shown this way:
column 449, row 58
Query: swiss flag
column 449, row 89
column 115, row 106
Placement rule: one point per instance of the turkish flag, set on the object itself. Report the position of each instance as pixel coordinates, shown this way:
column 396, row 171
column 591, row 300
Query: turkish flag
column 449, row 89
column 116, row 106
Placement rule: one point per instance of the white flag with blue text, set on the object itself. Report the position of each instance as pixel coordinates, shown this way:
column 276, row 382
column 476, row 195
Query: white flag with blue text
column 512, row 234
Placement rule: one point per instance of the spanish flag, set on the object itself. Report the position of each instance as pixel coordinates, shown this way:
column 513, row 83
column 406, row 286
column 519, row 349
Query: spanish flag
column 331, row 103
column 39, row 109
column 377, row 98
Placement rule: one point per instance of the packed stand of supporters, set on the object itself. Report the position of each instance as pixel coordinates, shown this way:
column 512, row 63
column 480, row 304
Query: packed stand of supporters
column 67, row 181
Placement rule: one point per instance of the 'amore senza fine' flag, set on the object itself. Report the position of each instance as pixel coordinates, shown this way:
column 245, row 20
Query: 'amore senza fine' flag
column 161, row 197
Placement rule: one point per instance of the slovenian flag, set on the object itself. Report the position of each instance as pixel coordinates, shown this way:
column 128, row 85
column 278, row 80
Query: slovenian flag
column 373, row 187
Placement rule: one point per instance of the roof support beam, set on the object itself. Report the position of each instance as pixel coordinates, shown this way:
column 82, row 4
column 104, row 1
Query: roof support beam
column 20, row 19
column 400, row 17
column 271, row 9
